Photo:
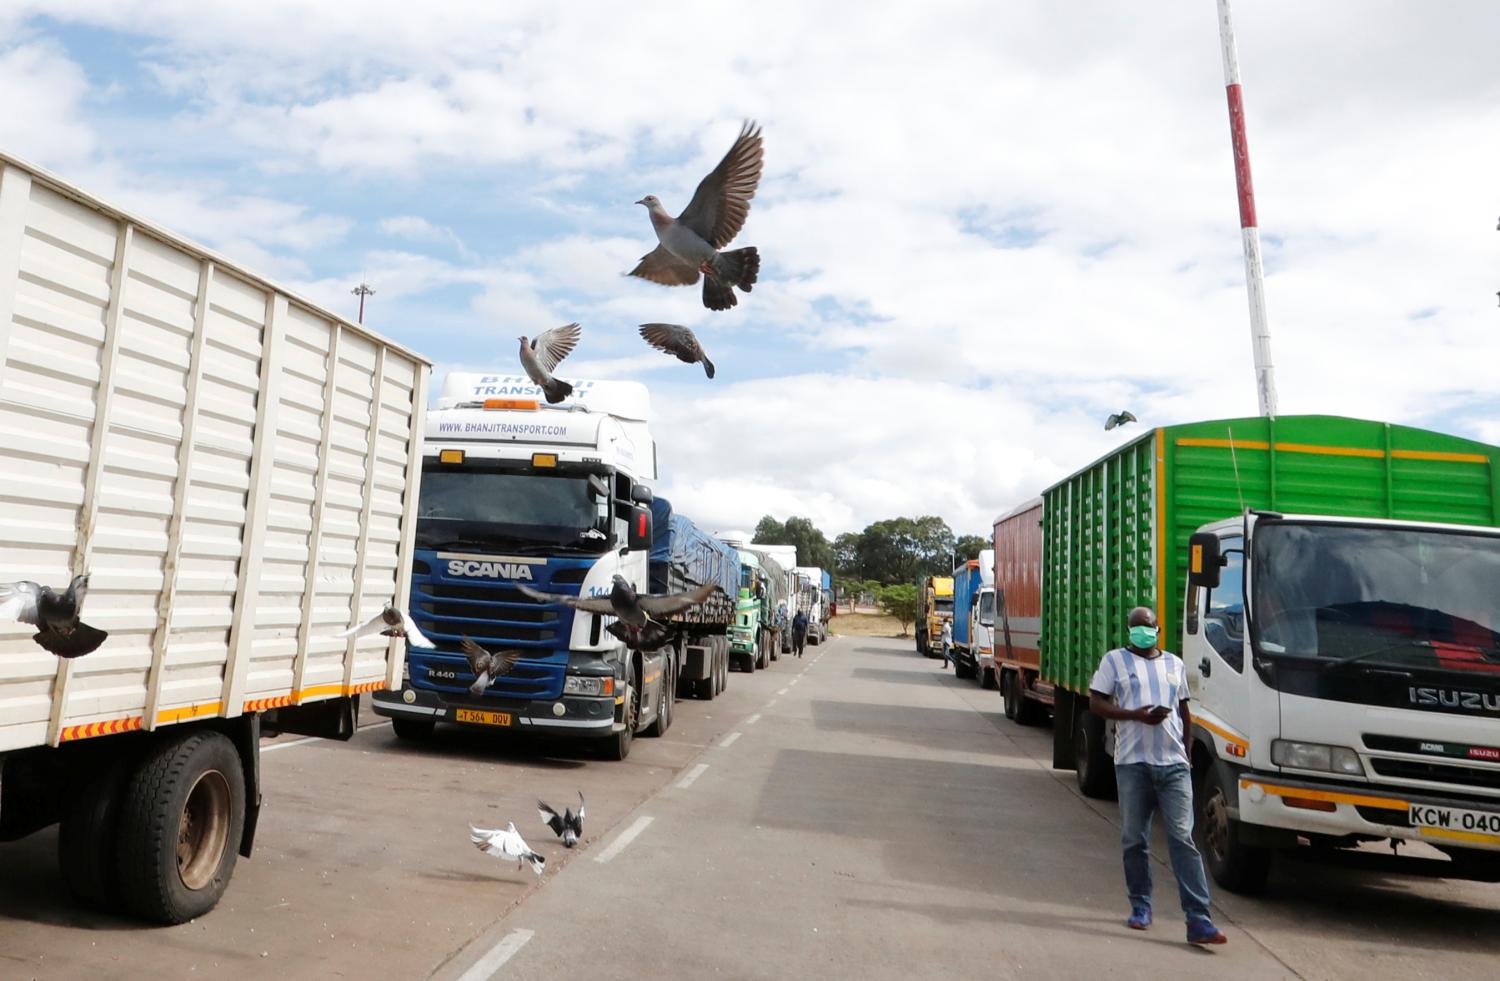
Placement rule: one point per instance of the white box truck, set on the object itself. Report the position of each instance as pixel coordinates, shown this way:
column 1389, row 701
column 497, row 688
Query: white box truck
column 237, row 470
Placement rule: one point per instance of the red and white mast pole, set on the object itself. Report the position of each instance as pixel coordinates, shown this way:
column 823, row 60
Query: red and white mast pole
column 1260, row 333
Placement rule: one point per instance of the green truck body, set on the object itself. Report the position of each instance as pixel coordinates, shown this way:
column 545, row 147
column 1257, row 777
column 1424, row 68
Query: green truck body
column 1107, row 528
column 755, row 636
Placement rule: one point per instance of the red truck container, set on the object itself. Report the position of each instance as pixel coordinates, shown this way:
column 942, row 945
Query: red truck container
column 1018, row 614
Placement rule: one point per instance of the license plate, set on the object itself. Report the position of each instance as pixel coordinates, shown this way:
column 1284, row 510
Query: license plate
column 484, row 718
column 1485, row 824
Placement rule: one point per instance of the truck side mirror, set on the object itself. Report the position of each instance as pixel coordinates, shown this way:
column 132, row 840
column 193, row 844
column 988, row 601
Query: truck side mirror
column 641, row 494
column 1204, row 560
column 640, row 529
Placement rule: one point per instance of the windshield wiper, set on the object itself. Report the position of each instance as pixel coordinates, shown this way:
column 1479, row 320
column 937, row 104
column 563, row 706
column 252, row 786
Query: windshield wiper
column 499, row 543
column 1488, row 653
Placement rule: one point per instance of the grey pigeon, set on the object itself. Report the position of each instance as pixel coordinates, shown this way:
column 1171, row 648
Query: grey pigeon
column 54, row 614
column 646, row 638
column 391, row 622
column 487, row 665
column 1118, row 419
column 624, row 602
column 672, row 339
column 506, row 843
column 567, row 825
column 690, row 243
column 541, row 356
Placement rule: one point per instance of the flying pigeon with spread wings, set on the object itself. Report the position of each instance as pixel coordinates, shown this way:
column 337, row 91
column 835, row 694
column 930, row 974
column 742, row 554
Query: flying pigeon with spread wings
column 567, row 825
column 690, row 243
column 1118, row 419
column 506, row 843
column 487, row 665
column 543, row 353
column 678, row 341
column 390, row 622
column 54, row 614
column 635, row 609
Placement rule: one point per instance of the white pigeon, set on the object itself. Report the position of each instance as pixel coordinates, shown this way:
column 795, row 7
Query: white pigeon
column 506, row 843
column 541, row 355
column 392, row 622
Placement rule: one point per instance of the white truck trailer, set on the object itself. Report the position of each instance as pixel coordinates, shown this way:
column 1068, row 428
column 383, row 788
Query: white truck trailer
column 237, row 470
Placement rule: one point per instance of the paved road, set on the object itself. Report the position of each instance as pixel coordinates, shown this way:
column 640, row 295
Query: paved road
column 861, row 813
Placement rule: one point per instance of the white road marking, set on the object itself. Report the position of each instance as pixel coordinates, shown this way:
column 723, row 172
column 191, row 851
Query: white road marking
column 784, row 690
column 496, row 956
column 295, row 742
column 770, row 703
column 729, row 740
column 625, row 837
column 793, row 682
column 753, row 719
column 692, row 776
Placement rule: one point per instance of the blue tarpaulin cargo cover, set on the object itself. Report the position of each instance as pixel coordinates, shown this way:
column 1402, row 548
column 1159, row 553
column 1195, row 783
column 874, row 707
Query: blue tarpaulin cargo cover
column 684, row 557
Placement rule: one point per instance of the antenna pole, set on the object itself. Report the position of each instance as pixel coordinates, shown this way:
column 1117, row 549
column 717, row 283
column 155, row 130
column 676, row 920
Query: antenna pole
column 362, row 290
column 1260, row 333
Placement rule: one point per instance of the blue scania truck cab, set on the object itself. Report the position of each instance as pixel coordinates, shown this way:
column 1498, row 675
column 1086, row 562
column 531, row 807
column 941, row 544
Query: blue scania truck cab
column 556, row 497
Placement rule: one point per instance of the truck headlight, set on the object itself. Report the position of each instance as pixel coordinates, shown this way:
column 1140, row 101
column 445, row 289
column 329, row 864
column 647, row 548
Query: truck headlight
column 575, row 684
column 1316, row 756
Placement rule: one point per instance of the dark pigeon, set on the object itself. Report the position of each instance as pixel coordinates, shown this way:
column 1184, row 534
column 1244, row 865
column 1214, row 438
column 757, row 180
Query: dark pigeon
column 624, row 602
column 678, row 341
column 567, row 825
column 54, row 614
column 487, row 665
column 1118, row 419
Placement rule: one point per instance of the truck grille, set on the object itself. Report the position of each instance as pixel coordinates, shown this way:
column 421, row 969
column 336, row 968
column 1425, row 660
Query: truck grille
column 1461, row 776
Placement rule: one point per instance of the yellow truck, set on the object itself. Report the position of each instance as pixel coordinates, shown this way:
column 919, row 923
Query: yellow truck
column 937, row 606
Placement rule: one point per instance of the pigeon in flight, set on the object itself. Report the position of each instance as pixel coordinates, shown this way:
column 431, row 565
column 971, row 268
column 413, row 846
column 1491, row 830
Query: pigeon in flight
column 390, row 622
column 650, row 637
column 543, row 353
column 506, row 843
column 690, row 243
column 624, row 602
column 567, row 825
column 679, row 341
column 54, row 614
column 1118, row 419
column 487, row 665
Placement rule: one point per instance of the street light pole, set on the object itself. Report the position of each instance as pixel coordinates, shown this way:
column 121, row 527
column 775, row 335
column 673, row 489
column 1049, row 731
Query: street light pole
column 362, row 290
column 1260, row 333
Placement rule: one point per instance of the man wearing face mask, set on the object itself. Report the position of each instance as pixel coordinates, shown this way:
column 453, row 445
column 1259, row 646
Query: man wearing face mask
column 1144, row 690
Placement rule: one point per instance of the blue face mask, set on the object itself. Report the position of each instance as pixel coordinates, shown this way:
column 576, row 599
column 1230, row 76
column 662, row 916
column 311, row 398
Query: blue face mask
column 1143, row 638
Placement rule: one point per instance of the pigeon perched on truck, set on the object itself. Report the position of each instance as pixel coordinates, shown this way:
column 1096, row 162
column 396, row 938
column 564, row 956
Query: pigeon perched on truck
column 689, row 244
column 54, row 614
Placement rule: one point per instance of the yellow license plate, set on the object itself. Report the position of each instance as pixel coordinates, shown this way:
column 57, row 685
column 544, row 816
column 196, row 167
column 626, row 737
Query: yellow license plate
column 484, row 718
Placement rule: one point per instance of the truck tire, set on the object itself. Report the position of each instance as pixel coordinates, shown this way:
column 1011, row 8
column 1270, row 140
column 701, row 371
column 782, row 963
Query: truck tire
column 1010, row 694
column 751, row 662
column 987, row 679
column 773, row 646
column 723, row 643
column 88, row 836
column 1236, row 866
column 617, row 746
column 922, row 642
column 663, row 720
column 962, row 669
column 412, row 730
column 182, row 813
column 1095, row 769
column 1029, row 712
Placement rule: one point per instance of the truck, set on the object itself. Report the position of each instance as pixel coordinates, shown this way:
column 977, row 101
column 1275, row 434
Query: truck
column 785, row 556
column 684, row 558
column 1018, row 614
column 557, row 498
column 813, row 601
column 936, row 594
column 974, row 618
column 1329, row 583
column 755, row 637
column 236, row 470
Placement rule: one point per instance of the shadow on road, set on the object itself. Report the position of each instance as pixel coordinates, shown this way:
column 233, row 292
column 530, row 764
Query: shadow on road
column 909, row 652
column 32, row 889
column 478, row 746
column 964, row 729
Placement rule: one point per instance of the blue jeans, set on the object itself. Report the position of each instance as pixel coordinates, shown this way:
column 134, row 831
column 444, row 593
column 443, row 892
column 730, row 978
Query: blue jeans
column 1144, row 790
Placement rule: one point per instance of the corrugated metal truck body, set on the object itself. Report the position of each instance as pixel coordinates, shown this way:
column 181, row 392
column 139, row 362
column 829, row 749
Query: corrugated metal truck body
column 235, row 468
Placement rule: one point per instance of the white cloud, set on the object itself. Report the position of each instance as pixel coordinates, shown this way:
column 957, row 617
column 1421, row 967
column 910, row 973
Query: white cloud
column 43, row 91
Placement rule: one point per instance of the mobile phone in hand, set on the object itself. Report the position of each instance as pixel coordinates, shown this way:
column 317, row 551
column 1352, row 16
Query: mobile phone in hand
column 1159, row 711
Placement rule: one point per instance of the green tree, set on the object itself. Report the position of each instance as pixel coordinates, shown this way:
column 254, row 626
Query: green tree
column 846, row 555
column 812, row 545
column 769, row 531
column 900, row 601
column 903, row 550
column 969, row 546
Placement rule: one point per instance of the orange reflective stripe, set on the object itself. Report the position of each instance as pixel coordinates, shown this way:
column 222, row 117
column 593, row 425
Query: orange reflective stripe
column 1337, row 796
column 1225, row 734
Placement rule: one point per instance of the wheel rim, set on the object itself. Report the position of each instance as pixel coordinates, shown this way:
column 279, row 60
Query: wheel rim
column 1216, row 825
column 204, row 830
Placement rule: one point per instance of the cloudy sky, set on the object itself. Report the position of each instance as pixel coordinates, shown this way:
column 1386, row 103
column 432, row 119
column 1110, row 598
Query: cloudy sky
column 984, row 226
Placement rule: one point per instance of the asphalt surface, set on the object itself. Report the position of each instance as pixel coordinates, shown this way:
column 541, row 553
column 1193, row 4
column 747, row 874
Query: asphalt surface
column 860, row 813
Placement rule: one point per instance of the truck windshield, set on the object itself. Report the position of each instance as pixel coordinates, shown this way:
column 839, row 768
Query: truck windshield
column 943, row 604
column 987, row 609
column 477, row 506
column 1409, row 597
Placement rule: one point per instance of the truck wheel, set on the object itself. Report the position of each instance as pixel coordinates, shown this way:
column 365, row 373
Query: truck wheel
column 663, row 720
column 1029, row 711
column 1095, row 769
column 617, row 746
column 88, row 837
column 1234, row 865
column 962, row 669
column 922, row 642
column 1010, row 695
column 751, row 663
column 987, row 680
column 182, row 813
column 723, row 664
column 773, row 647
column 412, row 730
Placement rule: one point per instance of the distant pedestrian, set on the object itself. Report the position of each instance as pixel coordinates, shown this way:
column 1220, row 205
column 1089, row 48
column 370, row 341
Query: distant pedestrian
column 799, row 632
column 1144, row 689
column 945, row 641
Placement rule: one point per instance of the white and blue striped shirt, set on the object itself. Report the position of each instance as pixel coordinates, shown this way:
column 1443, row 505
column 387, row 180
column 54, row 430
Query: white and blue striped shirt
column 1133, row 682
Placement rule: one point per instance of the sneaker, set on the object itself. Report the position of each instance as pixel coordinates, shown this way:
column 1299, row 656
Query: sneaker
column 1140, row 919
column 1204, row 932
